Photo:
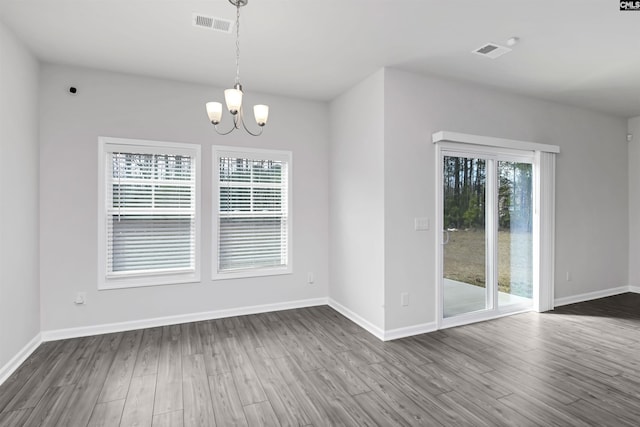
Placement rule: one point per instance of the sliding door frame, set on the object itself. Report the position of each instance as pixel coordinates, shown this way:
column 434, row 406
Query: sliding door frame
column 542, row 158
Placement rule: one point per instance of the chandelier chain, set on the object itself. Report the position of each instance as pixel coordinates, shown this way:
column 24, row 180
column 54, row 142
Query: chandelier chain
column 238, row 43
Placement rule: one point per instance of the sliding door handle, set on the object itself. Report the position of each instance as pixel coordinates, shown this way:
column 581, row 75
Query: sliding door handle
column 445, row 240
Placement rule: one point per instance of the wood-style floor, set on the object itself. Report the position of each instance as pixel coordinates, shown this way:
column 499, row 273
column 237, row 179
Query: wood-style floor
column 579, row 365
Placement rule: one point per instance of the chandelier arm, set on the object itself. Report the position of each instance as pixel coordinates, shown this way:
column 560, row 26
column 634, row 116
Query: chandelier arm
column 237, row 118
column 247, row 129
column 224, row 133
column 234, row 127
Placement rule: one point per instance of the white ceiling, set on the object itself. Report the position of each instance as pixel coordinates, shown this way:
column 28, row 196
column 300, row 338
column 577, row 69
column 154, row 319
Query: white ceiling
column 580, row 52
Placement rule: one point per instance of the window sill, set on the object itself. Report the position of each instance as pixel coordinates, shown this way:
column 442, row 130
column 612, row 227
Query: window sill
column 243, row 274
column 147, row 280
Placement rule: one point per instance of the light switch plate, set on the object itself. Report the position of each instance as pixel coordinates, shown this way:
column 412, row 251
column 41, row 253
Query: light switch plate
column 421, row 224
column 404, row 299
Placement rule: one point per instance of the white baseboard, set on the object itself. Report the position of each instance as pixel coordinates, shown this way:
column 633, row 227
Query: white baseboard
column 58, row 334
column 17, row 360
column 634, row 289
column 357, row 319
column 408, row 331
column 593, row 295
column 379, row 333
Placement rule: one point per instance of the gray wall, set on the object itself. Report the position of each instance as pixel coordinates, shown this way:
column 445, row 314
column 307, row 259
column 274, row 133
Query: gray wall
column 110, row 104
column 357, row 199
column 19, row 272
column 373, row 242
column 591, row 183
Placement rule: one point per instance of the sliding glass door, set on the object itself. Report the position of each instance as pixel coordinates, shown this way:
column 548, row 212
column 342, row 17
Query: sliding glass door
column 465, row 235
column 487, row 227
column 515, row 233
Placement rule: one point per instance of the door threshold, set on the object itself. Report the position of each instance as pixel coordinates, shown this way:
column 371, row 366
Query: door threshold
column 480, row 316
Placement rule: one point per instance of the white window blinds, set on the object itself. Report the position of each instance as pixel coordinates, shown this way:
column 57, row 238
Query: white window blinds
column 150, row 212
column 252, row 211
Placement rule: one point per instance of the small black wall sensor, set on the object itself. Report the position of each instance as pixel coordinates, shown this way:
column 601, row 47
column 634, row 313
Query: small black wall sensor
column 73, row 90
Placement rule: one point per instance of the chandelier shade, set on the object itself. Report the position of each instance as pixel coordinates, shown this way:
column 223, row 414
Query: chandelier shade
column 214, row 111
column 233, row 98
column 261, row 113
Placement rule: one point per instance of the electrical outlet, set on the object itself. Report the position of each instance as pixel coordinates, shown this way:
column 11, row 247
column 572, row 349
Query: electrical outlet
column 81, row 298
column 568, row 276
column 310, row 278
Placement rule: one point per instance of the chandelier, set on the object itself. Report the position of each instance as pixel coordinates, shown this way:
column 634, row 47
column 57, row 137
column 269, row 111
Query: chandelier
column 233, row 96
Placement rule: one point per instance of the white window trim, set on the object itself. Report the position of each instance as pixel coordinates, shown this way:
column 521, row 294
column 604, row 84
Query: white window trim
column 134, row 280
column 255, row 154
column 490, row 141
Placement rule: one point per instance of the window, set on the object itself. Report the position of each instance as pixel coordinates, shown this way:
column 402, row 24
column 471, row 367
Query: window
column 149, row 222
column 252, row 210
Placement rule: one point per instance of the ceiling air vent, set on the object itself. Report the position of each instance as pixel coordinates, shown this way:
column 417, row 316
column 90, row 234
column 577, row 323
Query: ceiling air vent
column 212, row 23
column 491, row 50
